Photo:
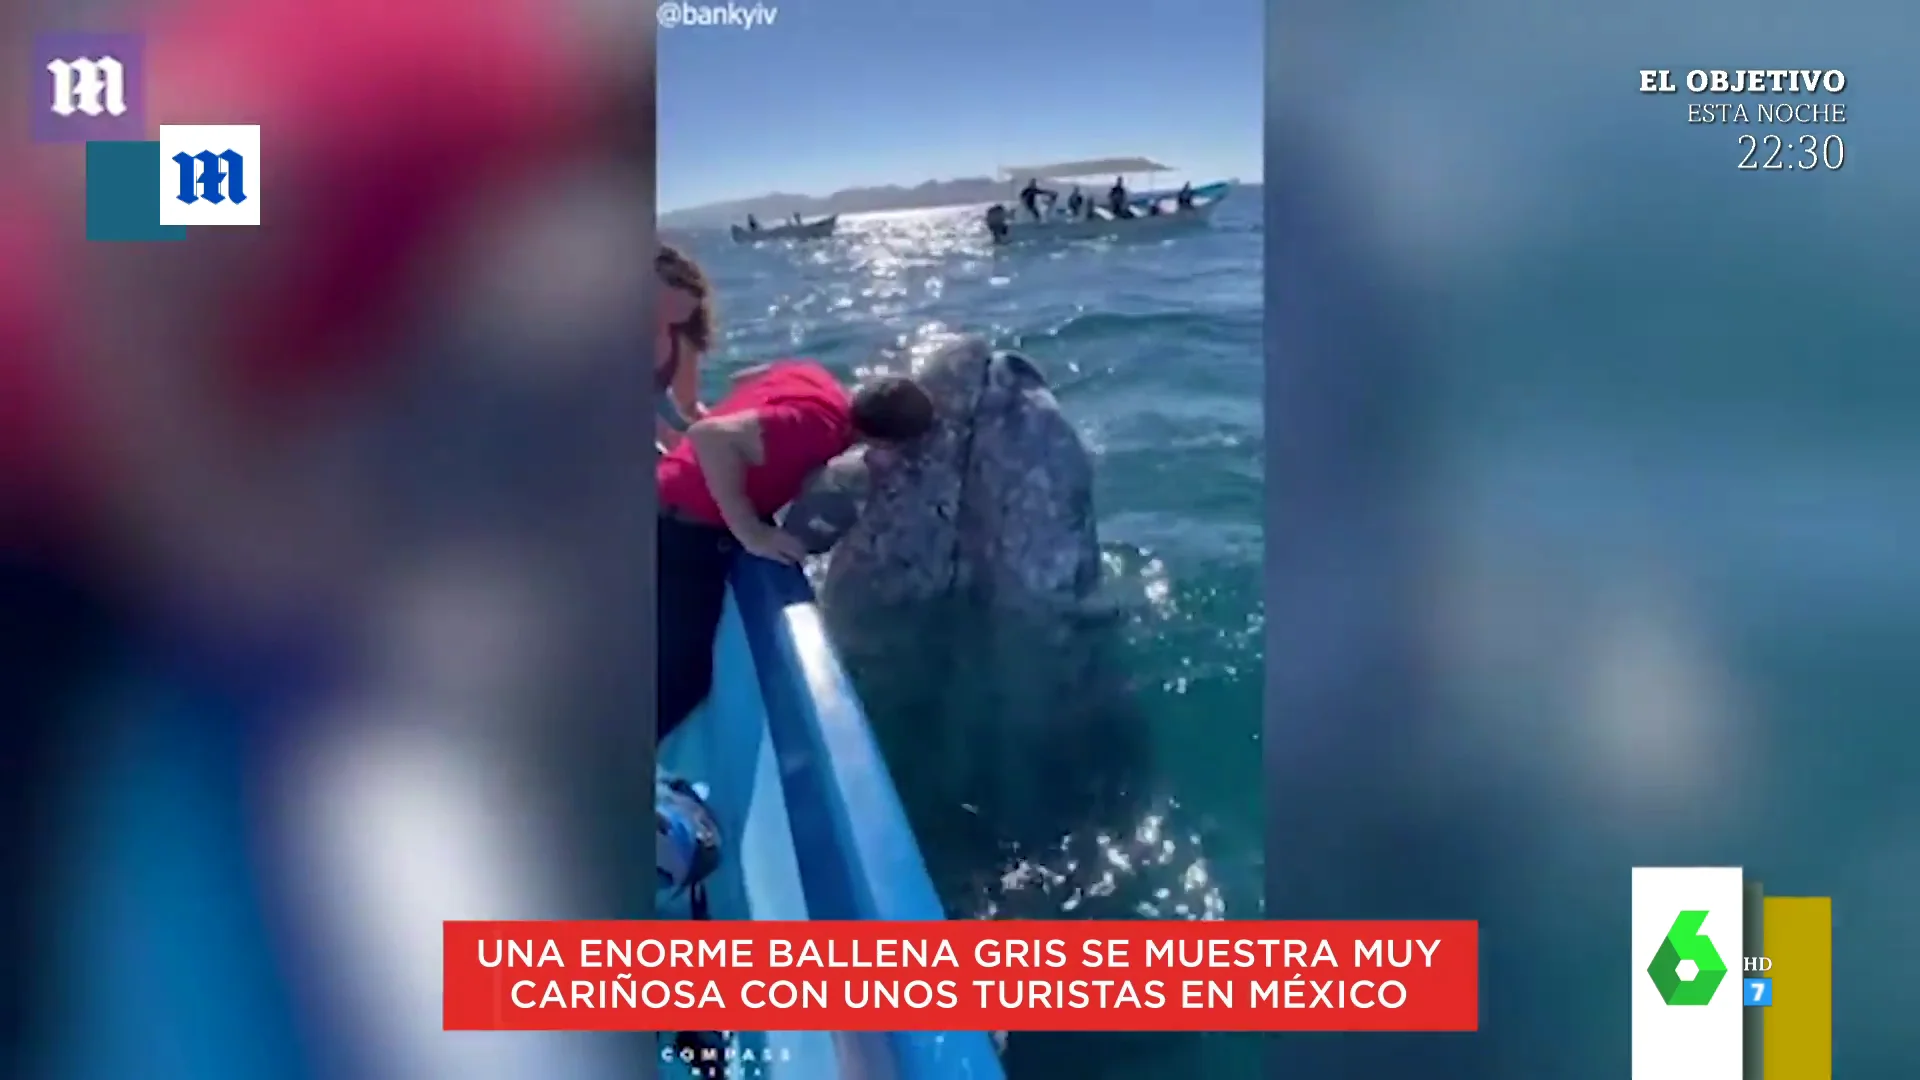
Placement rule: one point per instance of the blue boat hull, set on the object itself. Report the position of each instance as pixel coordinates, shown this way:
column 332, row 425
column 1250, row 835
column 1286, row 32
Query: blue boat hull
column 814, row 826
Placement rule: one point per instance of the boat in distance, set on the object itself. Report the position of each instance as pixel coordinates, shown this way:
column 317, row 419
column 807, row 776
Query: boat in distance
column 1152, row 211
column 806, row 230
column 1057, row 223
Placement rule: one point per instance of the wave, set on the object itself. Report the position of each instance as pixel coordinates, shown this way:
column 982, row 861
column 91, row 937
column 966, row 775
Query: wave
column 1189, row 328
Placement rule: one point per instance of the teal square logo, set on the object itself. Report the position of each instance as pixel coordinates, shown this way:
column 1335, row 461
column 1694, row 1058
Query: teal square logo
column 122, row 204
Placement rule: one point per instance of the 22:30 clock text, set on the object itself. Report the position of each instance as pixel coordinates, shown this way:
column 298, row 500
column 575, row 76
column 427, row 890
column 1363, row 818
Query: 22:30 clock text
column 1771, row 153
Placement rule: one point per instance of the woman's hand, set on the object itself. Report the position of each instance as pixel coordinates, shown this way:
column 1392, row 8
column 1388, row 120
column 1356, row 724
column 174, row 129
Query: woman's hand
column 772, row 542
column 665, row 434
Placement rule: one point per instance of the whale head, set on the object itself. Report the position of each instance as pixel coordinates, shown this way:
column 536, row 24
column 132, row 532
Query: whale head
column 994, row 504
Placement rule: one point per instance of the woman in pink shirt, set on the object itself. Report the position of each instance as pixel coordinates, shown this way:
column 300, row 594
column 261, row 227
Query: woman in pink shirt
column 720, row 488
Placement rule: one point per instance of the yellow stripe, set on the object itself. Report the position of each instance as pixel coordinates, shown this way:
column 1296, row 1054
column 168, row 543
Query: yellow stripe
column 1799, row 1025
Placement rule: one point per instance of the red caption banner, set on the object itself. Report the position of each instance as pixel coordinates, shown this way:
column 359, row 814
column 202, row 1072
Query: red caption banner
column 962, row 976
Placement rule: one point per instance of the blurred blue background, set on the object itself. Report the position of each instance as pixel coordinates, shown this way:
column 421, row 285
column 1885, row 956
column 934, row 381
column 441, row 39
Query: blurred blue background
column 1591, row 502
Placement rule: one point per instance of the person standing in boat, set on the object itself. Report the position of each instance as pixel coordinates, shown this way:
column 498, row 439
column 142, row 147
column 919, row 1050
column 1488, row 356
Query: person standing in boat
column 1117, row 199
column 1074, row 201
column 1184, row 200
column 1030, row 197
column 720, row 487
column 753, row 224
column 685, row 333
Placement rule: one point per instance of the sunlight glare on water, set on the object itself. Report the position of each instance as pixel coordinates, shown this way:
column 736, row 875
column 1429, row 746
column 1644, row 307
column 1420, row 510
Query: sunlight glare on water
column 1078, row 869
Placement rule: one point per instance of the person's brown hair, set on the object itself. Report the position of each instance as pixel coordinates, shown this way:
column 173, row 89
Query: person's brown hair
column 677, row 271
column 891, row 408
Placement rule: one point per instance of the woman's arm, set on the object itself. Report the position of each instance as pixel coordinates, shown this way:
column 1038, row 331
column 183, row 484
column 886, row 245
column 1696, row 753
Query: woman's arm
column 665, row 433
column 726, row 446
column 685, row 391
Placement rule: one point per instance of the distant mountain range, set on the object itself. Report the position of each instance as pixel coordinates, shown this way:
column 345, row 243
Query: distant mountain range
column 966, row 191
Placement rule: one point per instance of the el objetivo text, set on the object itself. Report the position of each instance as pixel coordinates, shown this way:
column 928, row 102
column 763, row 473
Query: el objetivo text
column 1755, row 81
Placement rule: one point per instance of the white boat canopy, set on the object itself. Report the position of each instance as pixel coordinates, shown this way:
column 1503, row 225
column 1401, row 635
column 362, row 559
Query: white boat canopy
column 1067, row 170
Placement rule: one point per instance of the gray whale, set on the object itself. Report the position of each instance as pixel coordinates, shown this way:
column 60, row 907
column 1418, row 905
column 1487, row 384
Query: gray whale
column 960, row 591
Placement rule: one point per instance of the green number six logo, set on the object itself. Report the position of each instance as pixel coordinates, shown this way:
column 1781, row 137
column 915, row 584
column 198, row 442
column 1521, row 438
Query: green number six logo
column 1686, row 942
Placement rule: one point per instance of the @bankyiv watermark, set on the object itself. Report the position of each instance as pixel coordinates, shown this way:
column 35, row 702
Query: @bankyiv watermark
column 677, row 13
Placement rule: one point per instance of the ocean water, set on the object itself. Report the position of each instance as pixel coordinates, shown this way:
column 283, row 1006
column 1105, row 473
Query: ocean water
column 1115, row 771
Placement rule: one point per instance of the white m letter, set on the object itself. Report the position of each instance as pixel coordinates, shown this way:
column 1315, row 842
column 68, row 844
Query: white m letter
column 80, row 85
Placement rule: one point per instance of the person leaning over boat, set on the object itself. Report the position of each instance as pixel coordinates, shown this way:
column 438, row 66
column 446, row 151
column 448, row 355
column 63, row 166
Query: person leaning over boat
column 684, row 335
column 1030, row 197
column 997, row 222
column 720, row 487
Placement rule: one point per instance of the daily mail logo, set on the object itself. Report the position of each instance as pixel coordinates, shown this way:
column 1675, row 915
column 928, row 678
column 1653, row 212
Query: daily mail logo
column 88, row 87
column 91, row 88
column 209, row 174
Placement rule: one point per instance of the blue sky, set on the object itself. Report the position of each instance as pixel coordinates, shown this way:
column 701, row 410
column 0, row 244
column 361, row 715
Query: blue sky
column 847, row 93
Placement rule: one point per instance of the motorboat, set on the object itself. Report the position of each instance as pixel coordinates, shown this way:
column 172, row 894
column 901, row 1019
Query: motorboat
column 1151, row 211
column 818, row 229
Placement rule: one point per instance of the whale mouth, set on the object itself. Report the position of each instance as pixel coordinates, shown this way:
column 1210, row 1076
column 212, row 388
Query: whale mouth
column 832, row 502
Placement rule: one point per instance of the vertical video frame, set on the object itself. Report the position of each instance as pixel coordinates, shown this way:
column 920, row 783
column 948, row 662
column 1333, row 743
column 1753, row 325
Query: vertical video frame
column 960, row 436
